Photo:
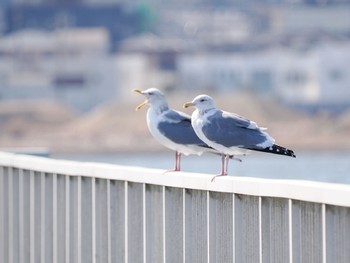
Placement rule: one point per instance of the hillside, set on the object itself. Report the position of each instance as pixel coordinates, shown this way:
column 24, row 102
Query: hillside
column 118, row 127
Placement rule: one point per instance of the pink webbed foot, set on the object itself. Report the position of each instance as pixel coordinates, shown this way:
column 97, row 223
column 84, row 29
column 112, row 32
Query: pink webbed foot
column 224, row 166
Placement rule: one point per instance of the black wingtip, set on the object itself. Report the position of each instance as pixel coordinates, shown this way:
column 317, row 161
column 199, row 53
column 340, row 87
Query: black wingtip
column 282, row 151
column 276, row 149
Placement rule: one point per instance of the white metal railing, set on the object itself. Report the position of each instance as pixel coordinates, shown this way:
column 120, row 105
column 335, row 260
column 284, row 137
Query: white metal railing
column 63, row 211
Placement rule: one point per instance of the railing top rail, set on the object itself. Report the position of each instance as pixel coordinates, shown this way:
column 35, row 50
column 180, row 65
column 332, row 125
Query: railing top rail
column 318, row 192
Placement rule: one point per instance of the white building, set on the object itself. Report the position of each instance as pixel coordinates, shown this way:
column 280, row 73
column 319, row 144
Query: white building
column 138, row 71
column 70, row 65
column 74, row 66
column 296, row 19
column 318, row 76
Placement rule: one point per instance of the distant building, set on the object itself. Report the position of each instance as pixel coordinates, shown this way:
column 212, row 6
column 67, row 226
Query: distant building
column 70, row 65
column 119, row 20
column 86, row 54
column 148, row 61
column 315, row 77
column 303, row 19
column 311, row 76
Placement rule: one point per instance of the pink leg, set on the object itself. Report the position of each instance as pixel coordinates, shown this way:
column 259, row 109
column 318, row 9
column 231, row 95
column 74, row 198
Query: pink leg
column 224, row 166
column 227, row 158
column 177, row 163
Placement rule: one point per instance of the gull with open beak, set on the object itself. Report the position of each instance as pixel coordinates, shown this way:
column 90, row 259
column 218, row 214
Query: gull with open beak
column 171, row 128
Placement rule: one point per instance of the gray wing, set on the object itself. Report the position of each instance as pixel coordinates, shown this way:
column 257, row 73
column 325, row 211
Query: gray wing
column 232, row 130
column 177, row 127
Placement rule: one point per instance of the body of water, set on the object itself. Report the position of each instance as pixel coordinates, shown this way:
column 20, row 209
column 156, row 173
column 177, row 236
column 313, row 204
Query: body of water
column 317, row 166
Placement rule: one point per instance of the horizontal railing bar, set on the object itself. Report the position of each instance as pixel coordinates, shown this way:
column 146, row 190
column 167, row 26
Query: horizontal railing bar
column 326, row 193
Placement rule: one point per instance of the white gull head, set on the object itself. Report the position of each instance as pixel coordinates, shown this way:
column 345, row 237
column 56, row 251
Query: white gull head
column 203, row 103
column 154, row 98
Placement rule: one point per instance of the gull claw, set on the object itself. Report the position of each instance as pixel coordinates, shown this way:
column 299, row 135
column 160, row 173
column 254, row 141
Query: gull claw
column 218, row 175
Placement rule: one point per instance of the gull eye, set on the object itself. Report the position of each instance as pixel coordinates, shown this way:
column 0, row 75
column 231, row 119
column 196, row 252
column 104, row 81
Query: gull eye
column 202, row 100
column 151, row 93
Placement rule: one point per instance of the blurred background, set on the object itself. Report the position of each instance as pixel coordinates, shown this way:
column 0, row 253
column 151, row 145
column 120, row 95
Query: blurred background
column 67, row 68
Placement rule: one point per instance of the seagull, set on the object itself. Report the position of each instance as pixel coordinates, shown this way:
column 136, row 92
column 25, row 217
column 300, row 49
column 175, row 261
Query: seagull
column 171, row 128
column 229, row 133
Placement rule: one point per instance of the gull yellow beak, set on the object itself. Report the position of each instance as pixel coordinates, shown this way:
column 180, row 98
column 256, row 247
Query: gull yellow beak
column 137, row 91
column 143, row 103
column 188, row 104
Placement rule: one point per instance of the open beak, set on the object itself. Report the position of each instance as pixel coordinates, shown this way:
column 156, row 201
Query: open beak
column 137, row 91
column 143, row 103
column 188, row 104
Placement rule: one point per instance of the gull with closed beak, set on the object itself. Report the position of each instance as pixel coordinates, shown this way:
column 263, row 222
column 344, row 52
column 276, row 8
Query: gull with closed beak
column 229, row 133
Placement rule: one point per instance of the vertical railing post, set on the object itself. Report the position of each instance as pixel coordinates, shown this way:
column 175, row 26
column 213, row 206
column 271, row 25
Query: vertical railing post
column 126, row 213
column 184, row 224
column 324, row 234
column 290, row 229
column 2, row 215
column 21, row 216
column 93, row 220
column 3, row 200
column 109, row 239
column 260, row 231
column 164, row 224
column 233, row 228
column 10, row 213
column 79, row 204
column 67, row 221
column 208, row 226
column 144, row 223
column 54, row 218
column 32, row 217
column 42, row 218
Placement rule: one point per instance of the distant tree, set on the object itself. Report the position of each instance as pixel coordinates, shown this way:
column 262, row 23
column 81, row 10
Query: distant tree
column 147, row 17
